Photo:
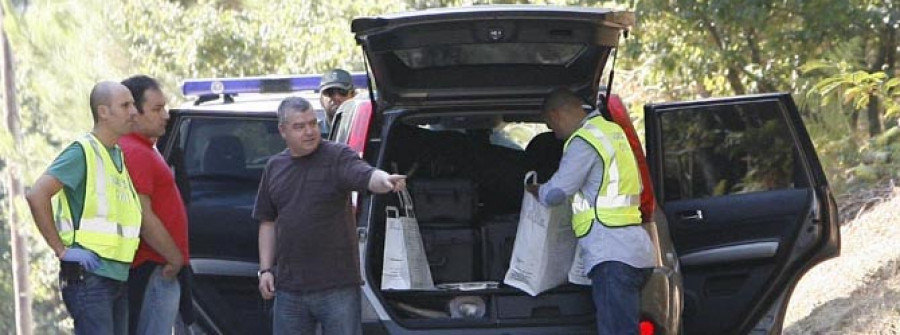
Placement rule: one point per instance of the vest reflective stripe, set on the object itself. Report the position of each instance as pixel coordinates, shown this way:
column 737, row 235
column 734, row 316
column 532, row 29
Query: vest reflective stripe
column 102, row 206
column 103, row 226
column 111, row 217
column 618, row 199
column 63, row 222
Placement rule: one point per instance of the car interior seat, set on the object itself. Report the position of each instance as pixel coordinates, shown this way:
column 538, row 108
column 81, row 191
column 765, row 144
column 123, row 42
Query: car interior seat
column 224, row 155
column 543, row 154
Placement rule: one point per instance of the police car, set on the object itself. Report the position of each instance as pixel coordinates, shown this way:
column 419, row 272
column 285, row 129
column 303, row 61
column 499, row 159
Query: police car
column 218, row 144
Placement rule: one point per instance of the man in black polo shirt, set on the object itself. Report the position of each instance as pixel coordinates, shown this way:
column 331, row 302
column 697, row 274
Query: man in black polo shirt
column 307, row 228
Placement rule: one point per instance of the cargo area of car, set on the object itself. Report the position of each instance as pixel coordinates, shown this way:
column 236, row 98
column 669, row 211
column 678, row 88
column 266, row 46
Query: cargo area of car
column 465, row 178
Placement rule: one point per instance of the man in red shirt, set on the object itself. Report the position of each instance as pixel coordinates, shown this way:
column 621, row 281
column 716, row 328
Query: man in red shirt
column 154, row 286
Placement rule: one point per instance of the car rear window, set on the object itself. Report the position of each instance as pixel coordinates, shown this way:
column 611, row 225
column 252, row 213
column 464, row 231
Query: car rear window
column 482, row 54
column 228, row 147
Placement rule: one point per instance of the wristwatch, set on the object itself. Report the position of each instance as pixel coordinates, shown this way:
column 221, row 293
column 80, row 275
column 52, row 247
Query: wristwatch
column 260, row 272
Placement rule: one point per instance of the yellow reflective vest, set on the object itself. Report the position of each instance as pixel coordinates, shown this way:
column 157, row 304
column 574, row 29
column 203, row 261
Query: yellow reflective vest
column 111, row 219
column 619, row 198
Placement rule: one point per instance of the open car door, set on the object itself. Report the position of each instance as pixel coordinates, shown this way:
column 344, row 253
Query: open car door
column 748, row 206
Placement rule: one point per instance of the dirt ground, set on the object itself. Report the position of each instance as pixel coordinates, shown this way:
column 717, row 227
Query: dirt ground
column 858, row 292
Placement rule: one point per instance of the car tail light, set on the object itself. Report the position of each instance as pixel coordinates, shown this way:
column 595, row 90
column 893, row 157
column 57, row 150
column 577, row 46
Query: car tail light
column 359, row 129
column 619, row 114
column 647, row 328
column 356, row 140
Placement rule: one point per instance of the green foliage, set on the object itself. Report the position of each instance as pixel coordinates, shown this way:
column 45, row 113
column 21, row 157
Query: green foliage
column 7, row 321
column 54, row 72
column 720, row 47
column 847, row 86
column 858, row 87
column 679, row 50
column 53, row 99
column 60, row 55
column 173, row 42
column 685, row 49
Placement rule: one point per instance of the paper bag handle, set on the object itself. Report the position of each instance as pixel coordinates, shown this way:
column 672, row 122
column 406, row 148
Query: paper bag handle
column 530, row 175
column 392, row 212
column 406, row 203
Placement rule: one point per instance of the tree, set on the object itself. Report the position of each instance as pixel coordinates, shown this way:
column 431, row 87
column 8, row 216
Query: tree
column 858, row 89
column 54, row 73
column 860, row 66
column 60, row 56
column 720, row 47
column 679, row 50
column 15, row 189
column 881, row 25
column 174, row 42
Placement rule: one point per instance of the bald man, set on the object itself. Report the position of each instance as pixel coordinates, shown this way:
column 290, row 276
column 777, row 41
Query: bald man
column 599, row 172
column 88, row 212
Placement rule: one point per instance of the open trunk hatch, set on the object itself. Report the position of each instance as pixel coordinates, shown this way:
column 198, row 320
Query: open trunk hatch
column 495, row 52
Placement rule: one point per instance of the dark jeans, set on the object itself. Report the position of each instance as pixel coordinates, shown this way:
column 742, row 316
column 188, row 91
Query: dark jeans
column 617, row 297
column 338, row 310
column 99, row 305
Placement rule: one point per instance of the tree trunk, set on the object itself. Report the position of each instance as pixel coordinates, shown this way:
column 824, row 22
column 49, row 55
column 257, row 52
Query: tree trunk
column 891, row 52
column 890, row 62
column 732, row 70
column 735, row 80
column 873, row 114
column 17, row 238
column 763, row 82
column 884, row 61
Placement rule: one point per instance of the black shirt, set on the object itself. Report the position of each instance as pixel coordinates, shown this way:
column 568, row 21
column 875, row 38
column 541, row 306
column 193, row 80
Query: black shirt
column 308, row 198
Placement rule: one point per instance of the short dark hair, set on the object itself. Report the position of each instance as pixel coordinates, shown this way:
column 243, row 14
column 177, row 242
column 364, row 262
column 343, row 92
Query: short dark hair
column 138, row 85
column 292, row 104
column 560, row 97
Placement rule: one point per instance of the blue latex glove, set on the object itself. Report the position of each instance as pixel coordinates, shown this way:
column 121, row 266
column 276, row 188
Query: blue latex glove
column 86, row 258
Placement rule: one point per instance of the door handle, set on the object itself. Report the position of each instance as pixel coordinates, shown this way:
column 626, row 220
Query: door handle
column 691, row 215
column 362, row 233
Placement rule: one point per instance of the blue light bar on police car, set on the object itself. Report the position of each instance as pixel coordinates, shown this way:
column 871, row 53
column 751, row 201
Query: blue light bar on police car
column 309, row 82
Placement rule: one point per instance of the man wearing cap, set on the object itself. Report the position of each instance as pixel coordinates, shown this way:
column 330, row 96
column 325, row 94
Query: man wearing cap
column 335, row 88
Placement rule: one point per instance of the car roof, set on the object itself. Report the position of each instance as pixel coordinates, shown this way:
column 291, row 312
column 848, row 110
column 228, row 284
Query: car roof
column 252, row 103
column 255, row 94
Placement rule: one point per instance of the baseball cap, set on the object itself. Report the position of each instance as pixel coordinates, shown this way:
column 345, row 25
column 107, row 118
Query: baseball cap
column 336, row 78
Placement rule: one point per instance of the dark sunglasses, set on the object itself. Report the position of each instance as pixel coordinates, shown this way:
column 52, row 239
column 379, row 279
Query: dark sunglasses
column 334, row 90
